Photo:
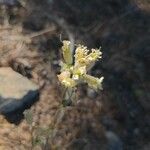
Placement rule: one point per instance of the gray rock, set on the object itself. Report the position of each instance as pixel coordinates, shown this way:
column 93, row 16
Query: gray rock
column 91, row 93
column 16, row 91
column 9, row 2
column 146, row 147
column 114, row 142
column 108, row 122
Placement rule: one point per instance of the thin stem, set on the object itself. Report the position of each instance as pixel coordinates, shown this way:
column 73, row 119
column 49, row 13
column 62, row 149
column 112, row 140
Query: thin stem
column 64, row 93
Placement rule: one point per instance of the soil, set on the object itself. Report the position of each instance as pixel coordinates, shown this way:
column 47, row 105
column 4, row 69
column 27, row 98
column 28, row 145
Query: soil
column 122, row 29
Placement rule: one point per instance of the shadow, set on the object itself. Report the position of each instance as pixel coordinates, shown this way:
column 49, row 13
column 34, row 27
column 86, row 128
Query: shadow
column 13, row 109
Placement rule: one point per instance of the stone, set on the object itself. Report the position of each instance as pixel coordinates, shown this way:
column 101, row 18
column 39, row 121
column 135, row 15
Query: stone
column 114, row 141
column 145, row 147
column 91, row 93
column 16, row 91
column 108, row 122
column 9, row 2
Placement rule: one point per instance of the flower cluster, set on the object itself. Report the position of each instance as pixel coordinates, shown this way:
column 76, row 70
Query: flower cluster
column 75, row 73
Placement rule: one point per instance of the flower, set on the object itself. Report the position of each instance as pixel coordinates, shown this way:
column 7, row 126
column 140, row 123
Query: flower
column 67, row 54
column 68, row 82
column 65, row 79
column 80, row 55
column 93, row 82
column 73, row 74
column 64, row 75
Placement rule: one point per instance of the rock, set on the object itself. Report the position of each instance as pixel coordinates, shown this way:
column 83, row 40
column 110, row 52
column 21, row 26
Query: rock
column 146, row 147
column 17, row 93
column 108, row 122
column 114, row 142
column 77, row 144
column 91, row 93
column 9, row 2
column 89, row 143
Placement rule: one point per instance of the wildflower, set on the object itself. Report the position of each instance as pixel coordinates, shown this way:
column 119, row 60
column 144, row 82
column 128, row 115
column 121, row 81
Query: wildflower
column 65, row 79
column 73, row 74
column 93, row 82
column 68, row 82
column 94, row 55
column 79, row 71
column 80, row 55
column 64, row 75
column 67, row 54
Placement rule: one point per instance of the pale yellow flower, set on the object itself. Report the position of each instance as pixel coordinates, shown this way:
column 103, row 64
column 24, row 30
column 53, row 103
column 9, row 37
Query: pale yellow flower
column 64, row 78
column 94, row 55
column 67, row 54
column 63, row 75
column 80, row 55
column 93, row 82
column 84, row 58
column 68, row 82
column 72, row 74
column 79, row 70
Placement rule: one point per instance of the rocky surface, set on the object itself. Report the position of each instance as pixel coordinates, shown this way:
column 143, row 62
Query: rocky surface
column 9, row 2
column 16, row 91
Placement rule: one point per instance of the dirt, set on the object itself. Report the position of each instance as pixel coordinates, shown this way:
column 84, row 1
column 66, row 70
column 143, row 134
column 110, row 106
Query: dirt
column 122, row 29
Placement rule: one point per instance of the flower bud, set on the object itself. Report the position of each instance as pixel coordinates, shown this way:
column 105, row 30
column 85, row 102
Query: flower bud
column 67, row 54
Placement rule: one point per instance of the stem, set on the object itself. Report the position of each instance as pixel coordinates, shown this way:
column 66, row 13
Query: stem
column 70, row 96
column 64, row 93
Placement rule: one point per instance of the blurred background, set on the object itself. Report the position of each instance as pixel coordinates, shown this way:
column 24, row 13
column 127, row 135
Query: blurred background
column 122, row 29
